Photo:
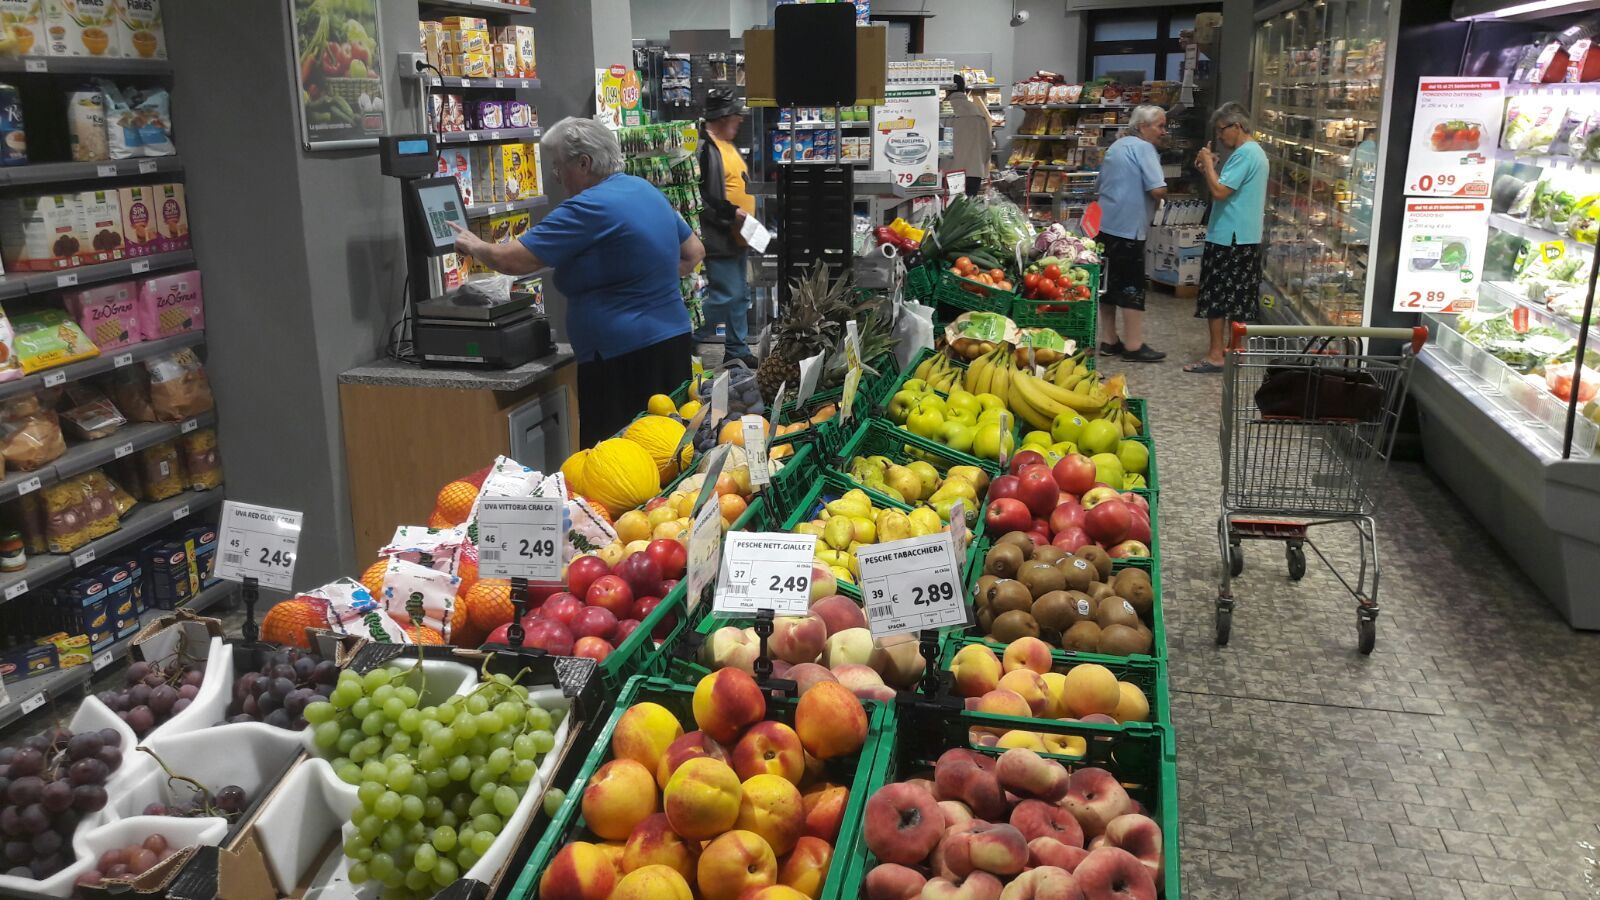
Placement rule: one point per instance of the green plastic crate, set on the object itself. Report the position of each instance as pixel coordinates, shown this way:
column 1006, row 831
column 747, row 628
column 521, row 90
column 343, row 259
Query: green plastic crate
column 1077, row 322
column 1146, row 672
column 951, row 290
column 568, row 825
column 920, row 283
column 1151, row 564
column 681, row 661
column 1140, row 755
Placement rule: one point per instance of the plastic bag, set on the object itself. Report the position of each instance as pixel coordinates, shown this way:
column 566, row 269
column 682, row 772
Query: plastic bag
column 129, row 389
column 30, row 435
column 90, row 415
column 160, row 472
column 137, row 123
column 485, row 290
column 1558, row 378
column 913, row 331
column 178, row 386
column 77, row 511
column 9, row 369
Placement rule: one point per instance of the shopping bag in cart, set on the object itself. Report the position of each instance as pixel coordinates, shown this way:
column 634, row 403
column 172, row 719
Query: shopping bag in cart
column 1307, row 388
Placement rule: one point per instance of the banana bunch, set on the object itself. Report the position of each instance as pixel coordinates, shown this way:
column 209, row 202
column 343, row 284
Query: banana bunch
column 1060, row 371
column 1038, row 401
column 992, row 373
column 1117, row 413
column 939, row 372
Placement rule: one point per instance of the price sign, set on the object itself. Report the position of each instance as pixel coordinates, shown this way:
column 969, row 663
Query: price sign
column 189, row 426
column 180, row 513
column 1453, row 143
column 763, row 570
column 259, row 542
column 5, row 698
column 521, row 537
column 466, row 82
column 472, row 136
column 106, row 171
column 51, row 379
column 719, row 398
column 28, row 485
column 810, row 369
column 140, row 266
column 17, row 590
column 67, row 280
column 959, row 536
column 494, row 135
column 82, row 558
column 1441, row 255
column 499, row 82
column 103, row 660
column 911, row 584
column 755, row 448
column 122, row 359
column 36, row 65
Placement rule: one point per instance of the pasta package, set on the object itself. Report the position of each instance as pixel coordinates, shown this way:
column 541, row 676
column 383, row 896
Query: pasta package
column 201, row 460
column 77, row 511
column 178, row 386
column 30, row 435
column 49, row 338
column 129, row 388
column 160, row 471
column 104, row 485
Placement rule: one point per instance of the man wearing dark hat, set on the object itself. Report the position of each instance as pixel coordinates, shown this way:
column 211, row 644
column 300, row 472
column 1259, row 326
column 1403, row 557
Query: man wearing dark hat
column 723, row 184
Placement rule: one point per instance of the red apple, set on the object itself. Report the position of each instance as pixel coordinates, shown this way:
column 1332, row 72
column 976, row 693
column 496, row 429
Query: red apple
column 549, row 636
column 1039, row 538
column 668, row 585
column 624, row 628
column 1071, row 539
column 1026, row 458
column 643, row 605
column 613, row 593
column 1066, row 515
column 670, row 555
column 642, row 573
column 1007, row 514
column 594, row 621
column 532, row 616
column 583, row 571
column 595, row 648
column 1074, row 473
column 1098, row 495
column 562, row 607
column 1108, row 522
column 1128, row 549
column 1037, row 488
column 1140, row 529
column 1003, row 486
column 1136, row 501
column 499, row 635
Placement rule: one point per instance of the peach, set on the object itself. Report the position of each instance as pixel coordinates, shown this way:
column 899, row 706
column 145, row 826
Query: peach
column 654, row 843
column 612, row 852
column 955, row 812
column 853, row 645
column 808, row 674
column 924, row 783
column 839, row 613
column 968, row 777
column 1044, row 883
column 702, row 799
column 1091, row 688
column 857, row 676
column 580, row 871
column 618, row 796
column 902, row 823
column 892, row 881
column 725, row 702
column 1027, row 774
column 735, row 862
column 976, row 670
column 769, row 748
column 652, row 883
column 1030, row 686
column 797, row 639
column 774, row 892
column 1095, row 797
column 830, row 721
column 825, row 805
column 1064, row 744
column 977, row 886
column 1134, row 706
column 1047, row 851
column 1056, row 706
column 1025, row 739
column 996, row 849
column 806, row 867
column 1027, row 653
column 770, row 806
column 898, row 658
column 1037, row 819
column 1005, row 702
column 644, row 733
column 1097, row 842
column 823, row 584
column 731, row 648
column 691, row 745
column 1112, row 873
column 1140, row 836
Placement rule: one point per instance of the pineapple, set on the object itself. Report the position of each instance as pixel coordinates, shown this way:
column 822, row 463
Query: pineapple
column 808, row 325
column 877, row 338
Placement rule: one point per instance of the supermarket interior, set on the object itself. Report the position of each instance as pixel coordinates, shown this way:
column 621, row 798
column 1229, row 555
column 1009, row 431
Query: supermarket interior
column 638, row 449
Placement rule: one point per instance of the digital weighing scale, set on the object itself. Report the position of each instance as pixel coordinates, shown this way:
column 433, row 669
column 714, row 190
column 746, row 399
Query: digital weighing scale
column 460, row 327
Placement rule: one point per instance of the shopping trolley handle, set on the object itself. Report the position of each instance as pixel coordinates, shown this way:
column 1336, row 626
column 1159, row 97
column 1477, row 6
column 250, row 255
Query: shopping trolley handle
column 1417, row 335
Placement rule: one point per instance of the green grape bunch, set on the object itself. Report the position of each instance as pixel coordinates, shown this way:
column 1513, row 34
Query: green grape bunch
column 436, row 784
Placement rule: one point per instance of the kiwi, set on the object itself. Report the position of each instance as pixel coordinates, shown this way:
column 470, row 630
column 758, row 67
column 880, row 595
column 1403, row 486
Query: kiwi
column 1041, row 578
column 1013, row 625
column 1083, row 637
column 1010, row 595
column 985, row 619
column 1097, row 555
column 1077, row 572
column 1083, row 607
column 1116, row 611
column 1120, row 640
column 1048, row 554
column 984, row 583
column 1099, row 590
column 1133, row 585
column 1055, row 611
column 1003, row 560
column 1020, row 539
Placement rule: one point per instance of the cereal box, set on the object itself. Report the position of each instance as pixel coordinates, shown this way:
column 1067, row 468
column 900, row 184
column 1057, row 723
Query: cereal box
column 457, row 161
column 500, row 228
column 511, row 170
column 101, row 226
column 454, row 270
column 24, row 24
column 488, row 176
column 464, row 23
column 463, row 42
column 173, row 225
column 82, row 27
column 40, row 233
column 138, row 204
column 526, row 63
column 109, row 314
column 139, row 29
column 467, row 65
column 531, row 183
column 521, row 221
column 504, row 57
column 171, row 304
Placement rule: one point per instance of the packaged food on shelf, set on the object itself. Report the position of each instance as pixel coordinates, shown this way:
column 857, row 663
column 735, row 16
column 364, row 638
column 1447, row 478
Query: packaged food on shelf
column 457, row 161
column 40, row 233
column 13, row 552
column 10, row 369
column 24, row 20
column 109, row 314
column 48, row 338
column 140, row 29
column 82, row 27
column 129, row 389
column 13, row 137
column 71, row 649
column 171, row 305
column 101, row 215
column 173, row 230
column 77, row 510
column 139, row 220
column 137, row 122
column 179, row 388
column 88, row 413
column 86, row 124
column 160, row 472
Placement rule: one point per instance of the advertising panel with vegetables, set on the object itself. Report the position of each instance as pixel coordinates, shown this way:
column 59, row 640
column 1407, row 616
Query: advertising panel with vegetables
column 341, row 82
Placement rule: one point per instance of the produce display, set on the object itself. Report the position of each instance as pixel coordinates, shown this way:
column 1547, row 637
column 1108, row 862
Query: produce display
column 281, row 689
column 50, row 783
column 127, row 862
column 852, row 520
column 1070, row 599
column 921, row 486
column 154, row 693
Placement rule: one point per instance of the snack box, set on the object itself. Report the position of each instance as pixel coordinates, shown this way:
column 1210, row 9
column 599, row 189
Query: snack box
column 101, row 225
column 511, row 169
column 457, row 161
column 25, row 18
column 173, row 226
column 25, row 662
column 109, row 314
column 531, row 181
column 71, row 649
column 138, row 207
column 168, row 584
column 504, row 58
column 464, row 23
column 467, row 65
column 487, row 114
column 40, row 233
column 201, row 542
column 170, row 304
column 140, row 30
column 463, row 42
column 82, row 27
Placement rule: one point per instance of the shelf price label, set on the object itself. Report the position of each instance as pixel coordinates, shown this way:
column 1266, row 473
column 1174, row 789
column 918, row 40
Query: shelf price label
column 103, row 660
column 1441, row 255
column 122, row 359
column 83, row 557
column 51, row 379
column 32, row 703
column 258, row 542
column 124, row 450
column 521, row 537
column 147, row 168
column 765, row 570
column 1452, row 145
column 911, row 584
column 17, row 590
column 67, row 280
column 106, row 171
column 188, row 426
column 28, row 485
column 139, row 266
column 755, row 448
column 36, row 65
column 180, row 513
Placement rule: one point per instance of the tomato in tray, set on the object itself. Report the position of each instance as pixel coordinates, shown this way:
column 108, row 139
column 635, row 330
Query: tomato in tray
column 1456, row 135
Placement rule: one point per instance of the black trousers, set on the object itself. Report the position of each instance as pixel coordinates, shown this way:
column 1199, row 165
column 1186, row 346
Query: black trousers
column 611, row 392
column 974, row 185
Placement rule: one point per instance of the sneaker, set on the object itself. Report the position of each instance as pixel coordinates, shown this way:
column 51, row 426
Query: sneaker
column 1111, row 349
column 1145, row 353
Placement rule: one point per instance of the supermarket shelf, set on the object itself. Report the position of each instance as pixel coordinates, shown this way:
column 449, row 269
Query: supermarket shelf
column 1073, row 105
column 1587, row 87
column 1549, row 162
column 821, row 126
column 491, row 83
column 1314, row 113
column 68, row 65
column 82, row 457
column 1047, row 167
column 1535, row 233
column 1510, row 297
column 22, row 283
column 479, row 6
column 1318, row 146
column 61, row 172
column 145, row 519
column 35, row 692
column 489, row 136
column 484, row 210
column 103, row 363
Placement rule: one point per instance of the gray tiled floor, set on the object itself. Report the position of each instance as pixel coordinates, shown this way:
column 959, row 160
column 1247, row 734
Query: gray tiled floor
column 1458, row 760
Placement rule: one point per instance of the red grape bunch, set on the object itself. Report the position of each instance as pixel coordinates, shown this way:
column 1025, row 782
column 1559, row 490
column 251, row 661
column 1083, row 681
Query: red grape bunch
column 228, row 802
column 127, row 862
column 280, row 690
column 46, row 786
column 154, row 694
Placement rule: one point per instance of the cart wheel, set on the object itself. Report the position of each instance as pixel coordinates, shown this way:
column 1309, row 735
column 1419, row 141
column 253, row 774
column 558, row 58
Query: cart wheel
column 1224, row 625
column 1366, row 634
column 1297, row 561
column 1235, row 560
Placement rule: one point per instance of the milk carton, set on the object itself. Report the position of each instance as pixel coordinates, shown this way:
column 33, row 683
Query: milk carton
column 139, row 29
column 82, row 27
column 24, row 25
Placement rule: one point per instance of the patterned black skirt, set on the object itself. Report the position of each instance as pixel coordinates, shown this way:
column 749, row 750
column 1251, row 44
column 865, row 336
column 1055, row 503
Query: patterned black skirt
column 1230, row 283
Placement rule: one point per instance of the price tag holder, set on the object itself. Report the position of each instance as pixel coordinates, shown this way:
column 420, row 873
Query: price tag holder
column 719, row 398
column 466, row 82
column 122, row 359
column 103, row 660
column 180, row 513
column 472, row 136
column 755, row 448
column 911, row 585
column 147, row 168
column 810, row 370
column 36, row 65
column 17, row 590
column 51, row 379
column 499, row 82
column 258, row 542
column 705, row 533
column 106, row 171
column 765, row 570
column 521, row 537
column 123, row 450
column 189, row 426
column 140, row 266
column 28, row 485
column 83, row 558
column 67, row 280
column 32, row 703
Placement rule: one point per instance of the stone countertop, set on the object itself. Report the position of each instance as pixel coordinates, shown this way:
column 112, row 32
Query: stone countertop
column 393, row 373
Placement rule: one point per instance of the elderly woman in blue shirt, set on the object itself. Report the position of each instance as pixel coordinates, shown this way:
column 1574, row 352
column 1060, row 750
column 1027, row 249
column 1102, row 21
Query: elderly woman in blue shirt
column 1230, row 269
column 618, row 249
column 1131, row 182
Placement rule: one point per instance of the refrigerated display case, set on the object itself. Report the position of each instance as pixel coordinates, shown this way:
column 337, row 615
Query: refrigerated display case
column 1318, row 104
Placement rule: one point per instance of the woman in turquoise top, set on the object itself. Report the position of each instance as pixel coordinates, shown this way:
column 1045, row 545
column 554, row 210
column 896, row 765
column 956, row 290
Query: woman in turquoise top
column 1230, row 269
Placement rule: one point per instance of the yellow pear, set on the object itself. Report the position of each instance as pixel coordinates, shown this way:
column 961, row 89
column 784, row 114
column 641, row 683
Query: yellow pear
column 842, row 573
column 975, row 476
column 829, row 556
column 839, row 532
column 808, row 528
column 927, row 474
column 907, row 482
column 893, row 525
column 865, row 531
column 924, row 521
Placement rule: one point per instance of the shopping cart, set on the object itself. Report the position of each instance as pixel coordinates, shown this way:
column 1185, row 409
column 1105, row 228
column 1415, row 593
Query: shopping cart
column 1308, row 420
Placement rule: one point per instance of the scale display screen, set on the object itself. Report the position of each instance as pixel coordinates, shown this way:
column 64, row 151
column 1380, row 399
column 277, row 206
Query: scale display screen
column 439, row 203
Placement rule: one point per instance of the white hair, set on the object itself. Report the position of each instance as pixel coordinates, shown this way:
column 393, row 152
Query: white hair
column 573, row 137
column 1231, row 113
column 1142, row 115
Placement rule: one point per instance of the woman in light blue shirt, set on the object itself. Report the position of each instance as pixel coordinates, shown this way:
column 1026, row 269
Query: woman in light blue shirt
column 1230, row 269
column 1130, row 184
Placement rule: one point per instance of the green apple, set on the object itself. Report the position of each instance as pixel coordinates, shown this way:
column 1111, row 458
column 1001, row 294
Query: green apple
column 963, row 401
column 926, row 420
column 964, row 416
column 1067, row 427
column 993, row 415
column 1099, row 436
column 1036, row 438
column 990, row 438
column 957, row 435
column 915, row 385
column 933, row 401
column 900, row 405
column 1107, row 469
column 1135, row 457
column 991, row 401
column 1063, row 448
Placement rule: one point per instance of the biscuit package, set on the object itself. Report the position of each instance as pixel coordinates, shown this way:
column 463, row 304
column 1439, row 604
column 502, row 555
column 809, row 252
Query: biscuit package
column 171, row 304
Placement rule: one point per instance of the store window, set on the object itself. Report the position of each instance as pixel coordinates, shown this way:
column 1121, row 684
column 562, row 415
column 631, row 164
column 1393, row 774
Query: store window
column 1142, row 43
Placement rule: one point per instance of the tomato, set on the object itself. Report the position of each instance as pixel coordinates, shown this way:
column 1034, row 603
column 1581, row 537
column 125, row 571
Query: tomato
column 1050, row 290
column 1030, row 280
column 996, row 274
column 963, row 263
column 1052, row 272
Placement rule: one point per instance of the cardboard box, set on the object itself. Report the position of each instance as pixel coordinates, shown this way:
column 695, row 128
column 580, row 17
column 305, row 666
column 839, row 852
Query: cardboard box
column 140, row 30
column 464, row 42
column 201, row 542
column 85, row 590
column 101, row 217
column 171, row 304
column 512, row 168
column 532, row 181
column 71, row 649
column 467, row 65
column 167, row 576
column 464, row 23
column 489, row 169
column 108, row 314
column 173, row 225
column 139, row 232
column 25, row 662
column 25, row 18
column 504, row 57
column 94, row 622
column 41, row 233
column 120, row 602
column 457, row 161
column 82, row 27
